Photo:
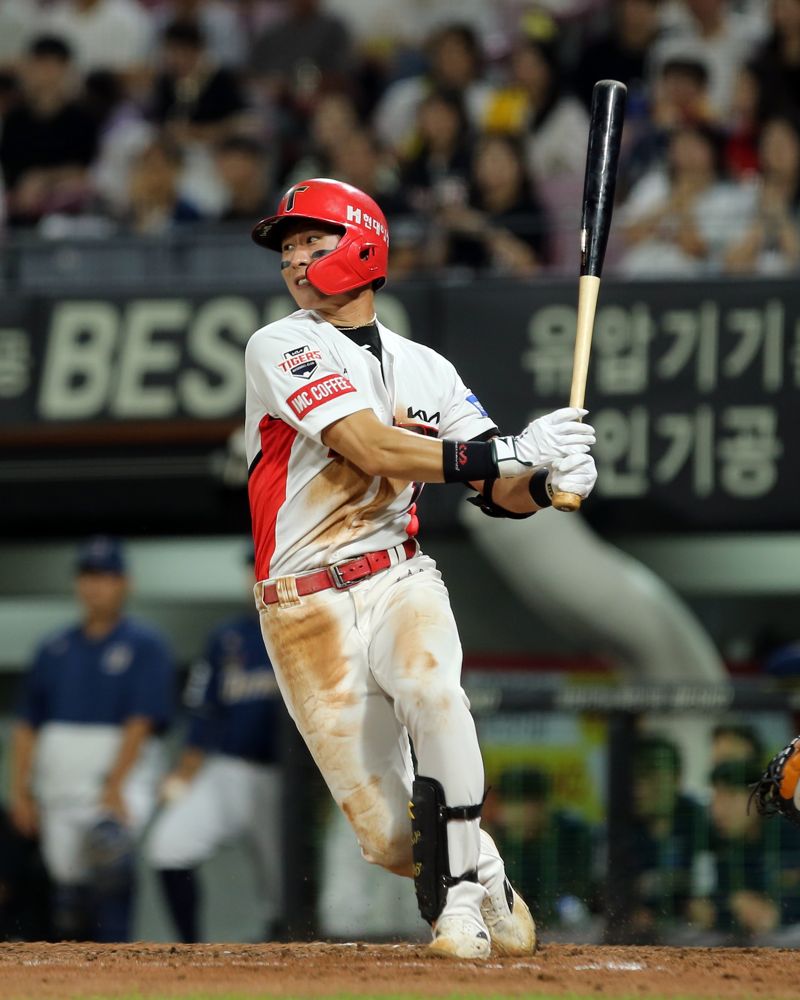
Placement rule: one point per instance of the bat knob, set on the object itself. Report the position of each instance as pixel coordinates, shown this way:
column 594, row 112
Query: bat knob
column 567, row 502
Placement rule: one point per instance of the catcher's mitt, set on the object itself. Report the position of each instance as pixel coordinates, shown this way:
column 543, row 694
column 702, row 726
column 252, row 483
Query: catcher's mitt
column 776, row 790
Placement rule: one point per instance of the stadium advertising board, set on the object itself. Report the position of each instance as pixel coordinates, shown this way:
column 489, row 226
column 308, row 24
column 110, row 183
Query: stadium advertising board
column 692, row 387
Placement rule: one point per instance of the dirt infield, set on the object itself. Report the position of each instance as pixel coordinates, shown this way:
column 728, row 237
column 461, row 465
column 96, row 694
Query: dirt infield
column 67, row 971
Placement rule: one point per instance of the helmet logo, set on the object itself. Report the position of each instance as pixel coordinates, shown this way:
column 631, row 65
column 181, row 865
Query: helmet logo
column 293, row 194
column 365, row 220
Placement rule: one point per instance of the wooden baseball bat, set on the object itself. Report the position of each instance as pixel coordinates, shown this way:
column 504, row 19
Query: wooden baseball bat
column 602, row 156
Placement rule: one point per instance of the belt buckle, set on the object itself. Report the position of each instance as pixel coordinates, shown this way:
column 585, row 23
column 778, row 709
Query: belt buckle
column 339, row 581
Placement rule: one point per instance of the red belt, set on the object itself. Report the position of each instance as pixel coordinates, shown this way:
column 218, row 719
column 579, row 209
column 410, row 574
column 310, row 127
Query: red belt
column 341, row 575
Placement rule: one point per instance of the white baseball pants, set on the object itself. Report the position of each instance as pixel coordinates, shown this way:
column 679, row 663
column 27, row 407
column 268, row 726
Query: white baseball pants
column 362, row 668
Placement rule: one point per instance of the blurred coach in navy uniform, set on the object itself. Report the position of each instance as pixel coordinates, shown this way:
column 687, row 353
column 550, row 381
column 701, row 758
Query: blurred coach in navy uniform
column 86, row 757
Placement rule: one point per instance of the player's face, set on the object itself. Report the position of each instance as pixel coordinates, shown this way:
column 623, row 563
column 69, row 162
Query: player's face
column 729, row 811
column 102, row 594
column 299, row 248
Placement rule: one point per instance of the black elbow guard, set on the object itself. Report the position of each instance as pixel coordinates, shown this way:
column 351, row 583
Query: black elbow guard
column 485, row 503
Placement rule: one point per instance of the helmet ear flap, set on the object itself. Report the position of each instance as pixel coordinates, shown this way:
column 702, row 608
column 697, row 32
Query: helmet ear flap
column 363, row 258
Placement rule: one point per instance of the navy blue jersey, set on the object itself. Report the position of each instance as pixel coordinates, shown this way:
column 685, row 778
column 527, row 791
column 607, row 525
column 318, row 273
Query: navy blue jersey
column 74, row 678
column 233, row 699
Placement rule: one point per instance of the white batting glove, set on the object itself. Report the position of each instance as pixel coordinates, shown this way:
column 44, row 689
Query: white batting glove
column 575, row 473
column 545, row 439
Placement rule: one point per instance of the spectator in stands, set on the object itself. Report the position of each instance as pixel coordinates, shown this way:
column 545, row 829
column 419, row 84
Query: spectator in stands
column 669, row 833
column 547, row 849
column 305, row 51
column 621, row 53
column 363, row 163
column 122, row 134
column 437, row 171
column 155, row 202
column 756, row 896
column 86, row 759
column 714, row 34
column 770, row 243
column 219, row 23
column 502, row 228
column 195, row 100
column 735, row 741
column 454, row 63
column 412, row 247
column 409, row 25
column 244, row 168
column 48, row 139
column 744, row 124
column 679, row 98
column 778, row 60
column 680, row 220
column 334, row 118
column 535, row 105
column 104, row 34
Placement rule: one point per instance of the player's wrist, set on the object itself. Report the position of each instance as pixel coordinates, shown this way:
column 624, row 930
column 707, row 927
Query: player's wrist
column 507, row 458
column 468, row 461
column 541, row 489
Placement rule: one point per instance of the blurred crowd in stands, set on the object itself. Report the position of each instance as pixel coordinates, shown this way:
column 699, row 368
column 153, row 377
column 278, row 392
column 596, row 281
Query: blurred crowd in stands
column 704, row 869
column 466, row 120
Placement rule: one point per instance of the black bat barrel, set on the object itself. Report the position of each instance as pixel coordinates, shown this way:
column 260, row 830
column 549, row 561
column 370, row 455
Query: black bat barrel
column 605, row 136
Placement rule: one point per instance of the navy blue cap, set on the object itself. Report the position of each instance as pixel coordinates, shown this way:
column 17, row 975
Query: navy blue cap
column 101, row 554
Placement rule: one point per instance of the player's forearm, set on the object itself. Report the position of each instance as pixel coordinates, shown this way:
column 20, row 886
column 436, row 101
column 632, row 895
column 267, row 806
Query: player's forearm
column 388, row 452
column 134, row 734
column 23, row 744
column 404, row 455
column 514, row 495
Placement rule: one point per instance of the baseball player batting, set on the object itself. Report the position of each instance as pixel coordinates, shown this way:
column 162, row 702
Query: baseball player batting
column 355, row 618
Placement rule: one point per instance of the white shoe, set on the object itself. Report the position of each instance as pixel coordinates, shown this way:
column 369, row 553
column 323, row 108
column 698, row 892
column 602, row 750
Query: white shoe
column 505, row 912
column 460, row 937
column 510, row 923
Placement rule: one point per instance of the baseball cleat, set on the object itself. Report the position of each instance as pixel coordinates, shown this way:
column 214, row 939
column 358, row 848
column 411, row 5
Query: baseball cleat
column 509, row 921
column 507, row 917
column 460, row 937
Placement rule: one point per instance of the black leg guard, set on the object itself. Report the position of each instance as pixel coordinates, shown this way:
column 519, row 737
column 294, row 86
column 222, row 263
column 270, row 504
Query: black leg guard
column 430, row 815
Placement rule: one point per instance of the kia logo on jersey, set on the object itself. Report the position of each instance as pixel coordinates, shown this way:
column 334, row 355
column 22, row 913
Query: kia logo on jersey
column 423, row 416
column 301, row 362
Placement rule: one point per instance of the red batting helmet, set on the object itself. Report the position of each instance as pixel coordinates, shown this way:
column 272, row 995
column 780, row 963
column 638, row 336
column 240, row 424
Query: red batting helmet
column 362, row 256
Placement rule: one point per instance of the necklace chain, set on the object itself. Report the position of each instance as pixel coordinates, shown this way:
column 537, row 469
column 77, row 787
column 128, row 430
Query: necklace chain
column 359, row 326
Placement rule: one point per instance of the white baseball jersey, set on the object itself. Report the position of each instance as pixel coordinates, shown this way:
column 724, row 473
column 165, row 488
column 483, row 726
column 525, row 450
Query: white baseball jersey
column 309, row 506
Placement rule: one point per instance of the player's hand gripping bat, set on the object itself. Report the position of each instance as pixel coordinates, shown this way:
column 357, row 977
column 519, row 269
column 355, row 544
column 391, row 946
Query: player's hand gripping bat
column 602, row 155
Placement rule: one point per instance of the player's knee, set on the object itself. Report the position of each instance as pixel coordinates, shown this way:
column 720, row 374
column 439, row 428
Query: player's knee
column 428, row 705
